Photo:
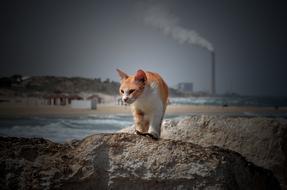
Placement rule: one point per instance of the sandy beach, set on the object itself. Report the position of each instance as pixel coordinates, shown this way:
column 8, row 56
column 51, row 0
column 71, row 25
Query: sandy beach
column 10, row 110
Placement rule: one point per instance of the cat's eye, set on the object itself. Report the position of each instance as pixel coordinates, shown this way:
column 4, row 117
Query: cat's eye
column 122, row 91
column 131, row 91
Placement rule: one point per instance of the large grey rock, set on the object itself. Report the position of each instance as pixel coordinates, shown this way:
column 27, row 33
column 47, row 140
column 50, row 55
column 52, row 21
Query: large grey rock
column 260, row 140
column 125, row 161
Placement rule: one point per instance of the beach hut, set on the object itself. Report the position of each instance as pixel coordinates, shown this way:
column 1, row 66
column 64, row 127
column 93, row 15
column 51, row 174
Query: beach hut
column 61, row 99
column 95, row 98
column 74, row 97
column 84, row 104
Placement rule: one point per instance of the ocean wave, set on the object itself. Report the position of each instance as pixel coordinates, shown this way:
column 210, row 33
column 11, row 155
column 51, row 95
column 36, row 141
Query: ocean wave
column 93, row 122
column 61, row 129
column 53, row 131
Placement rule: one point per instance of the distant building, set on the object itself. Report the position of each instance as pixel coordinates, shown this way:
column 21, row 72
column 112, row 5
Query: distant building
column 61, row 99
column 84, row 104
column 75, row 101
column 95, row 98
column 185, row 87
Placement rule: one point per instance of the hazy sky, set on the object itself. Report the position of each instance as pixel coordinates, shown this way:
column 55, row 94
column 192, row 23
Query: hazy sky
column 93, row 38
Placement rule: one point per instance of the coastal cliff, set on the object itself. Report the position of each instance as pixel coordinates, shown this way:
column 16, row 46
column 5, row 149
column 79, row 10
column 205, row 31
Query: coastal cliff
column 125, row 161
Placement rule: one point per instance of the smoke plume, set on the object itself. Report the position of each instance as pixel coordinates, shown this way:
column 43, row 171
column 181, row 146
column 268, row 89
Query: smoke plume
column 161, row 18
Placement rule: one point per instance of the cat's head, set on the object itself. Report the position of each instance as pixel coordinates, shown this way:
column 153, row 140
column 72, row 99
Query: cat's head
column 131, row 86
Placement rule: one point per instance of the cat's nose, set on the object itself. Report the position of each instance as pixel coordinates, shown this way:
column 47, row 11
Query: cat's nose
column 125, row 99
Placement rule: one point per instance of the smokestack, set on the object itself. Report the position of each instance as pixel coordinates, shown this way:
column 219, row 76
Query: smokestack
column 213, row 89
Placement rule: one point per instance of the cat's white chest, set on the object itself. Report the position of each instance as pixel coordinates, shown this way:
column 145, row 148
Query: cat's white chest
column 150, row 100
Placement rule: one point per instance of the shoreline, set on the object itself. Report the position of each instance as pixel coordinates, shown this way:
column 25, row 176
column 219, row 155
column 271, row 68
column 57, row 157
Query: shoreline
column 19, row 110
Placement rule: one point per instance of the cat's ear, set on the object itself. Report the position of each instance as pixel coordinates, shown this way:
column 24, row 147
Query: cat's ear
column 122, row 74
column 140, row 76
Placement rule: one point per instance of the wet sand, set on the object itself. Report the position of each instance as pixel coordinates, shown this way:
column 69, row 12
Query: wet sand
column 11, row 110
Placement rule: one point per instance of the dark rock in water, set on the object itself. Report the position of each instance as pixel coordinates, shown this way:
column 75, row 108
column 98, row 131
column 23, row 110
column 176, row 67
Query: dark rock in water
column 125, row 161
column 260, row 140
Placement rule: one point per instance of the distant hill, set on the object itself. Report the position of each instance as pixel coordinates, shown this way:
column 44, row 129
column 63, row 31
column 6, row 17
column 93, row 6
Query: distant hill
column 41, row 85
column 52, row 84
column 70, row 85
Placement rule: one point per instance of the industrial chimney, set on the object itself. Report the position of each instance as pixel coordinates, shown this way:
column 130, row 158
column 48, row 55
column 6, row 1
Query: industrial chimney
column 213, row 90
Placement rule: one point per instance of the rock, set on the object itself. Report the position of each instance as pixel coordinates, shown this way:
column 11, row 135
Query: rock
column 130, row 130
column 260, row 140
column 125, row 161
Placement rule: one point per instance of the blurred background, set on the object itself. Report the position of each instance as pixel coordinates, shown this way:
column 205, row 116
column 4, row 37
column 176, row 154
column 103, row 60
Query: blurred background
column 92, row 38
column 63, row 55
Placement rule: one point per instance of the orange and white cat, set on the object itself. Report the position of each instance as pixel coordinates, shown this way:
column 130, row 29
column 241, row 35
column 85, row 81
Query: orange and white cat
column 147, row 93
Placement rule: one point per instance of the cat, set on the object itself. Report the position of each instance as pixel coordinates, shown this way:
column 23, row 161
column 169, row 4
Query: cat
column 147, row 93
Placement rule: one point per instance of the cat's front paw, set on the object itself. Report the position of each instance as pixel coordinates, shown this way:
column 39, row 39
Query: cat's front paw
column 153, row 136
column 139, row 133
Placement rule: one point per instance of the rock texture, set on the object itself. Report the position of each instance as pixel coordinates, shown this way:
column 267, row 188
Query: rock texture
column 125, row 161
column 262, row 141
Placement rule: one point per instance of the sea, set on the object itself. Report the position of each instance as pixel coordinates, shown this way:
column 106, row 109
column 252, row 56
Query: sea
column 63, row 129
column 233, row 101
